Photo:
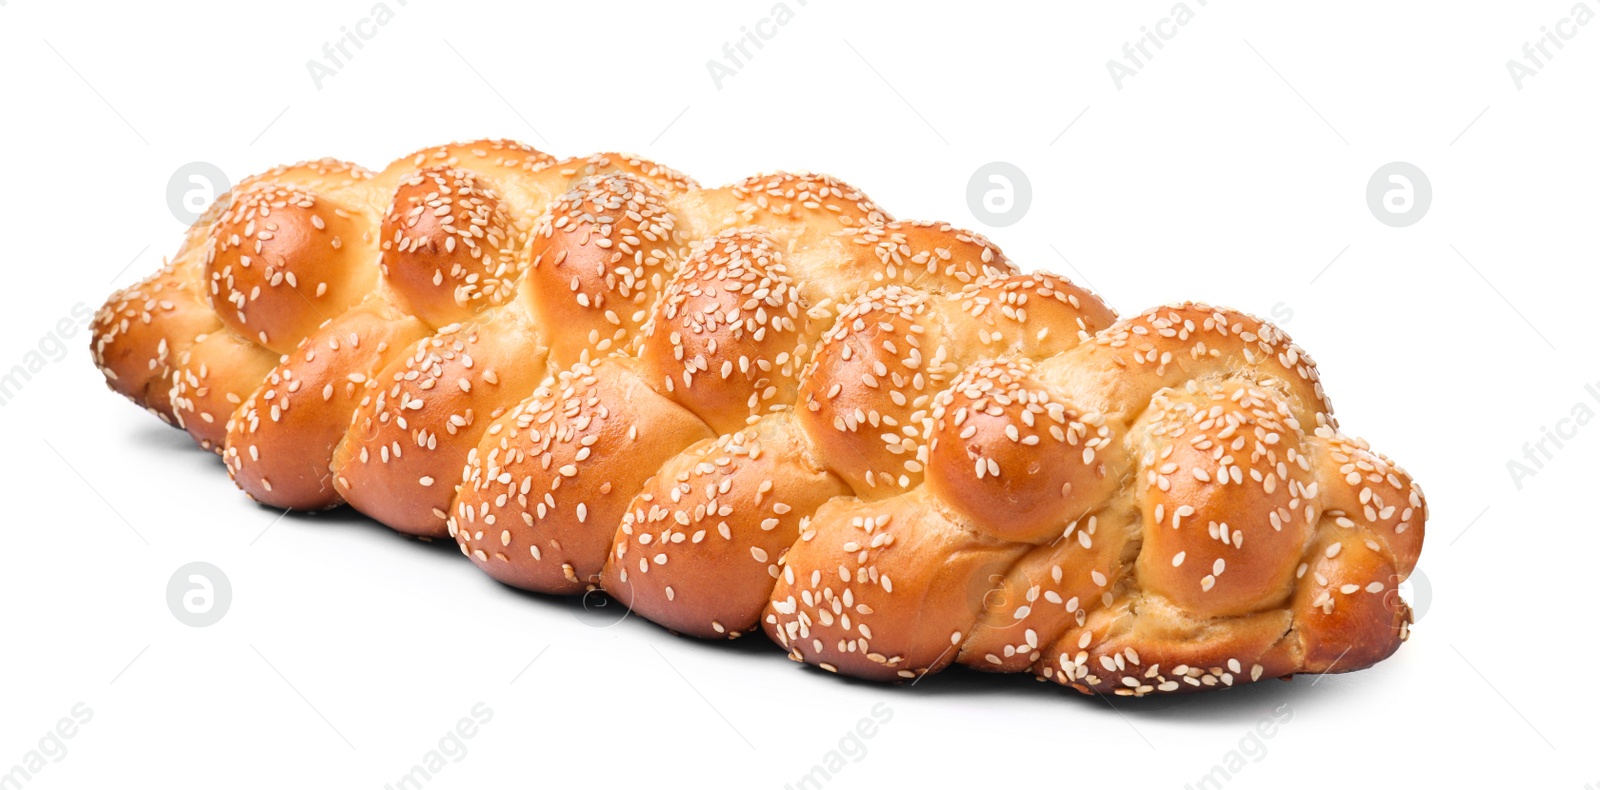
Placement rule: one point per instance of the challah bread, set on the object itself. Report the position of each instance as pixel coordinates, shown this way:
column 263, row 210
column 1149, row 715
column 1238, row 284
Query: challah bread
column 771, row 406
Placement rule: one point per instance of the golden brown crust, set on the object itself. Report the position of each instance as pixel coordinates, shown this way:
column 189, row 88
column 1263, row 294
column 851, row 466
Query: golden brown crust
column 491, row 157
column 449, row 245
column 281, row 441
column 313, row 175
column 1209, row 527
column 699, row 549
column 211, row 378
column 863, row 399
column 876, row 439
column 1016, row 459
column 661, row 178
column 1222, row 466
column 873, row 379
column 928, row 256
column 883, row 590
column 138, row 331
column 1345, row 614
column 423, row 414
column 1159, row 649
column 722, row 338
column 805, row 207
column 600, row 255
column 1369, row 489
column 545, row 489
column 1052, row 588
column 280, row 261
column 1171, row 345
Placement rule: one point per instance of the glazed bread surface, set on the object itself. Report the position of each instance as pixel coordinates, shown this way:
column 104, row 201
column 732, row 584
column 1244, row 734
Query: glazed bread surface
column 770, row 406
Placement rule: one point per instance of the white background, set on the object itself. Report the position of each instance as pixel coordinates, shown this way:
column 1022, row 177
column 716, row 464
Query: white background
column 1231, row 168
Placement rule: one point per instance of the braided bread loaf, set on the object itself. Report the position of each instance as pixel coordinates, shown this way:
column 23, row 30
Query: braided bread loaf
column 769, row 406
